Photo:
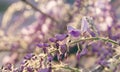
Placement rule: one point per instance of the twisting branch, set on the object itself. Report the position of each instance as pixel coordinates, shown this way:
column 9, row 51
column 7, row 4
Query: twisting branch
column 35, row 8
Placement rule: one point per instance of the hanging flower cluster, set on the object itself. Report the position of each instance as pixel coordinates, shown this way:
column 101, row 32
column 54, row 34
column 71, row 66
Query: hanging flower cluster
column 59, row 34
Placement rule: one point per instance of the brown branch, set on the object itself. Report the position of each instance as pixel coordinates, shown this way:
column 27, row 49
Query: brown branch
column 35, row 8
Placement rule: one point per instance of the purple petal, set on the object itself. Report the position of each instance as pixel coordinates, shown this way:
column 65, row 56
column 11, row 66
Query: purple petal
column 45, row 50
column 57, row 45
column 46, row 45
column 84, row 51
column 44, row 70
column 40, row 45
column 28, row 56
column 84, row 25
column 103, row 62
column 92, row 34
column 61, row 37
column 70, row 28
column 52, row 40
column 50, row 57
column 29, row 69
column 78, row 55
column 63, row 48
column 75, row 33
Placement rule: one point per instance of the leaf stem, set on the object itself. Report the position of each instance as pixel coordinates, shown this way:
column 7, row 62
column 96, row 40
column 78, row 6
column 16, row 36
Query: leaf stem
column 96, row 38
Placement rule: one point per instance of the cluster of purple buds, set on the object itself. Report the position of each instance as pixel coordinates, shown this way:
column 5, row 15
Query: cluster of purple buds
column 34, row 63
column 43, row 46
column 50, row 57
column 60, row 44
column 28, row 56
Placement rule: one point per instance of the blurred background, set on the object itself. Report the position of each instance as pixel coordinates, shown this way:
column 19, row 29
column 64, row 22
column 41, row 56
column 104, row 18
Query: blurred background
column 28, row 28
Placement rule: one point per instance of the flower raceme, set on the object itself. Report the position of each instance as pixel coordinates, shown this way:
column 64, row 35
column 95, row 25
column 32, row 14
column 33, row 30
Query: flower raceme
column 59, row 44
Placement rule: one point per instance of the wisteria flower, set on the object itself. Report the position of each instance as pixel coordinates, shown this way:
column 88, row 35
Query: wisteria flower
column 84, row 25
column 46, row 45
column 50, row 57
column 52, row 39
column 40, row 45
column 29, row 69
column 61, row 37
column 28, row 56
column 73, row 32
column 63, row 48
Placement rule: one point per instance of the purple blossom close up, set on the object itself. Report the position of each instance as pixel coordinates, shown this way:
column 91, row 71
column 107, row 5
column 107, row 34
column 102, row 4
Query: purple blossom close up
column 84, row 25
column 73, row 32
column 61, row 37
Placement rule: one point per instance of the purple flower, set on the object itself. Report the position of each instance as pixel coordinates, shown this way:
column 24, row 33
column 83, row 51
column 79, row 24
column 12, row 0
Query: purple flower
column 61, row 37
column 116, row 37
column 109, row 32
column 92, row 34
column 70, row 28
column 78, row 55
column 40, row 45
column 29, row 69
column 57, row 45
column 50, row 57
column 52, row 40
column 28, row 56
column 84, row 51
column 73, row 32
column 44, row 70
column 23, row 62
column 46, row 45
column 45, row 50
column 95, row 47
column 84, row 25
column 103, row 62
column 63, row 48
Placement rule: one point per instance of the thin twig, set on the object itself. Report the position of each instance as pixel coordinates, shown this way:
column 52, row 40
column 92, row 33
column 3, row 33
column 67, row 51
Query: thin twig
column 79, row 48
column 35, row 8
column 96, row 38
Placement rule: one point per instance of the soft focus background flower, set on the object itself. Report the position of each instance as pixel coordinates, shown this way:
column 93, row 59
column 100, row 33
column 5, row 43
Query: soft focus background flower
column 42, row 34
